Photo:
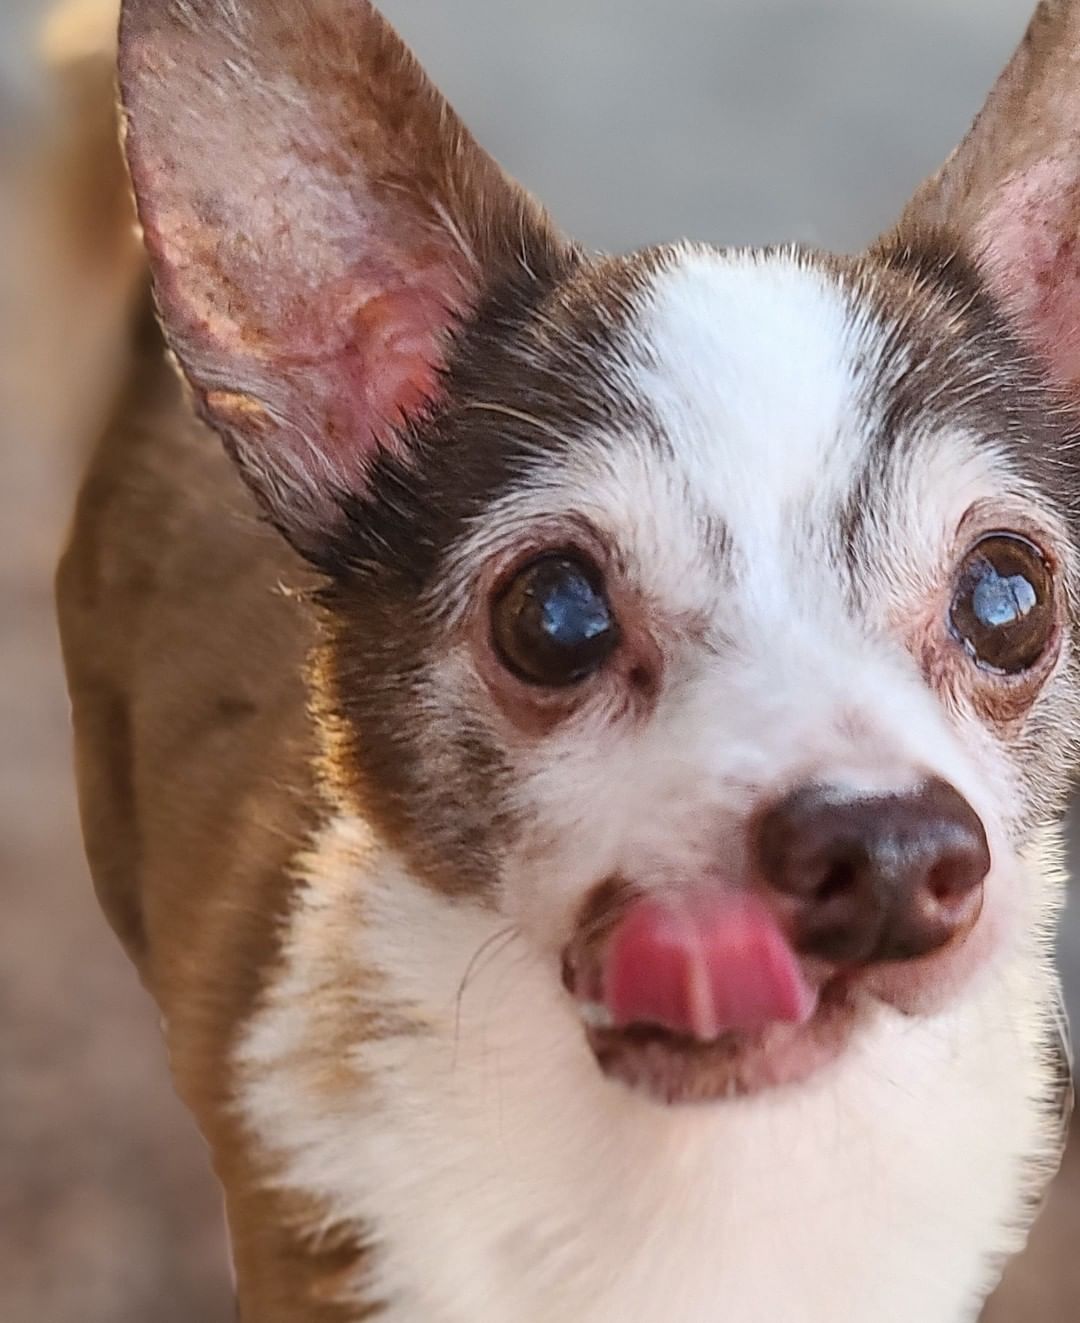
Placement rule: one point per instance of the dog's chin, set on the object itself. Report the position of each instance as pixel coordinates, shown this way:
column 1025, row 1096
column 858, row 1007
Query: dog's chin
column 673, row 1069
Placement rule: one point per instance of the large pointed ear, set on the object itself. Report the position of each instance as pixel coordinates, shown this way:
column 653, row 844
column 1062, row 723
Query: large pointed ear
column 319, row 222
column 1009, row 196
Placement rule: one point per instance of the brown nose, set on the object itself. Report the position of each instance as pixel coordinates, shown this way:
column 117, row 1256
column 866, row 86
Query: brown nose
column 887, row 877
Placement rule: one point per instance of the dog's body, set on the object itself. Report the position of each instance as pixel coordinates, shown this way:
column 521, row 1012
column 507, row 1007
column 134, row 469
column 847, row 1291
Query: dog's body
column 347, row 856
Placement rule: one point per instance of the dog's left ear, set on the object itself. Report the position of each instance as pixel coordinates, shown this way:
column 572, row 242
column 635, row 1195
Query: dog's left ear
column 1009, row 196
column 320, row 227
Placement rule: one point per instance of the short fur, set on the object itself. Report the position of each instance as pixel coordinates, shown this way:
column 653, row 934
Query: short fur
column 347, row 854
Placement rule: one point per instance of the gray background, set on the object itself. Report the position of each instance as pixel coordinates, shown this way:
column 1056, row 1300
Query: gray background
column 731, row 120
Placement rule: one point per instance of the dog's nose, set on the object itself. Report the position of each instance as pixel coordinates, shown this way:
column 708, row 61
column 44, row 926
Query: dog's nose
column 887, row 877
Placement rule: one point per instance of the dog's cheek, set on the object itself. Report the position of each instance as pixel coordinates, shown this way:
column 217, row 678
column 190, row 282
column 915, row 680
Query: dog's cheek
column 1037, row 749
column 463, row 814
column 1019, row 782
column 406, row 747
column 1014, row 738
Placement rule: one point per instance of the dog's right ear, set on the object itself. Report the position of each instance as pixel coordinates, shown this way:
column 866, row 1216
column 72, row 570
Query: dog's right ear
column 1008, row 199
column 319, row 223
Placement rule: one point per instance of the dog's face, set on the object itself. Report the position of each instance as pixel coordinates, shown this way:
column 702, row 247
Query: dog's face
column 758, row 531
column 704, row 614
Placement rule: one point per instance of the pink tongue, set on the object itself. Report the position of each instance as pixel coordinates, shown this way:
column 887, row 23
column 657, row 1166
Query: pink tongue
column 701, row 965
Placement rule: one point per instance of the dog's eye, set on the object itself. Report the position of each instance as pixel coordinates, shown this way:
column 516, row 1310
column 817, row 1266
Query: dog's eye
column 1003, row 609
column 552, row 624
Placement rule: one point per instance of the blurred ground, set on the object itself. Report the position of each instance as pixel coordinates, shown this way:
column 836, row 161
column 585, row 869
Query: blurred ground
column 736, row 120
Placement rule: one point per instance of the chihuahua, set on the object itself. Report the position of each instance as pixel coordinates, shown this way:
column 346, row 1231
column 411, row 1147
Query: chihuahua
column 580, row 768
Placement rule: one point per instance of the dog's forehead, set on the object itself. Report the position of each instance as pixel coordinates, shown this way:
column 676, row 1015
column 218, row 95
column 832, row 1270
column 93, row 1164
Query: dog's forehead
column 752, row 367
column 775, row 406
column 776, row 379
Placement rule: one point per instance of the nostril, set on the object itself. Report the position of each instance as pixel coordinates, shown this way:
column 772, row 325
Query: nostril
column 951, row 880
column 840, row 877
column 959, row 873
column 941, row 883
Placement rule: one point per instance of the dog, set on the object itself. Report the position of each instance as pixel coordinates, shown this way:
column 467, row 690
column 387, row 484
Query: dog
column 580, row 767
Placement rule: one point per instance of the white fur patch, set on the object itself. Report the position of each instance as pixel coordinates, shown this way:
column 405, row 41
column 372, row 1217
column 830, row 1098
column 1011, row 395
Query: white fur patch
column 504, row 1179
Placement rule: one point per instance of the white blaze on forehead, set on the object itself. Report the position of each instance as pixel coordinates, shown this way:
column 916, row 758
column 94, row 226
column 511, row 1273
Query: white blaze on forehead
column 770, row 376
column 763, row 381
column 746, row 364
column 754, row 379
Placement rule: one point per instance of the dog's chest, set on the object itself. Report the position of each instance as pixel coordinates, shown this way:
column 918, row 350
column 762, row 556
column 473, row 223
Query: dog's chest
column 471, row 1137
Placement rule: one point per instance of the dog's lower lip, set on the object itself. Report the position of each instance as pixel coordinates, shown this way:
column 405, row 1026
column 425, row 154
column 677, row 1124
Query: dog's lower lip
column 673, row 1069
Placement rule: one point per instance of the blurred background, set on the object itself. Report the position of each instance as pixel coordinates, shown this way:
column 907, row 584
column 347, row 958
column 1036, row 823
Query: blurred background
column 739, row 121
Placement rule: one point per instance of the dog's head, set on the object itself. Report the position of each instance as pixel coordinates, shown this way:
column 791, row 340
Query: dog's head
column 707, row 614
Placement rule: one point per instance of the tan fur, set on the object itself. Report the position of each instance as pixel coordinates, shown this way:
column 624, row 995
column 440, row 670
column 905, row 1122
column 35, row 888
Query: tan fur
column 184, row 640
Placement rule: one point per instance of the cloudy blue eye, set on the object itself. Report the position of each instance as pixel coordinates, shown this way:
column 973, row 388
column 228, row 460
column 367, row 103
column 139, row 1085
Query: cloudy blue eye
column 1003, row 607
column 552, row 624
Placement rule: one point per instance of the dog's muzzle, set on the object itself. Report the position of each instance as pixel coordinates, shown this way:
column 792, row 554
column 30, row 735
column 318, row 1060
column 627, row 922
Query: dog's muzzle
column 840, row 887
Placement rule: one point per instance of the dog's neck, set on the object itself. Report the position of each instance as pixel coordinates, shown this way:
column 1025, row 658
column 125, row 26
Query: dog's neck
column 412, row 1055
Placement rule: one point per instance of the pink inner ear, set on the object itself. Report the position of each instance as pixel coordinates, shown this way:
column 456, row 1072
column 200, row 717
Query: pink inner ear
column 387, row 370
column 1030, row 241
column 318, row 222
column 324, row 376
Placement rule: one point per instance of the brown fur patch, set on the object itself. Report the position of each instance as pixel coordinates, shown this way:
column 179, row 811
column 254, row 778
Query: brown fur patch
column 184, row 664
